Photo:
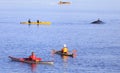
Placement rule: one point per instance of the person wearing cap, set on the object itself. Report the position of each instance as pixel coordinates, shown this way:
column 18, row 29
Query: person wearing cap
column 38, row 21
column 29, row 21
column 64, row 49
column 33, row 57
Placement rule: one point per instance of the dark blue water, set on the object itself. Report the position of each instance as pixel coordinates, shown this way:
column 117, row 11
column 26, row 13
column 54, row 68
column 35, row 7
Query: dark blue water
column 98, row 46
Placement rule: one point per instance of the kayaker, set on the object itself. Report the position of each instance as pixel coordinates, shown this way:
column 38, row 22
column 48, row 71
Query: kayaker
column 34, row 58
column 64, row 49
column 29, row 21
column 38, row 21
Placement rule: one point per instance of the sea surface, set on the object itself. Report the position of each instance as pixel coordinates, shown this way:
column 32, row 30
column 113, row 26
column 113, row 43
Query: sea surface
column 97, row 45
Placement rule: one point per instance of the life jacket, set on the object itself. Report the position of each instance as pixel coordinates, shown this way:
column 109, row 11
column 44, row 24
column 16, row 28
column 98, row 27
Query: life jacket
column 65, row 50
column 32, row 57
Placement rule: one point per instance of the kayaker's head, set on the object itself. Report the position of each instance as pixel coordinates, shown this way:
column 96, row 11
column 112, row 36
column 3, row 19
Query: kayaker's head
column 64, row 45
column 33, row 53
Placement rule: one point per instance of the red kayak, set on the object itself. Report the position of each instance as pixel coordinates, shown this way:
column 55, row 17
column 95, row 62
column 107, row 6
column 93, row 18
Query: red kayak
column 26, row 60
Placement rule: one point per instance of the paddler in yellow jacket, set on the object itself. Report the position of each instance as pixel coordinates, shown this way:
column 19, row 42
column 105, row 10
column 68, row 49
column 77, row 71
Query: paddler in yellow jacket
column 64, row 49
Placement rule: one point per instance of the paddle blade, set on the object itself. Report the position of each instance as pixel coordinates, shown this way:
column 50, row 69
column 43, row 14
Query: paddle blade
column 52, row 52
column 21, row 59
column 74, row 53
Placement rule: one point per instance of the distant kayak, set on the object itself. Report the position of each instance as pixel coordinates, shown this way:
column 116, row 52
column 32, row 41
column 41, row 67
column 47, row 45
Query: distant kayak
column 73, row 54
column 97, row 22
column 38, row 23
column 26, row 60
column 64, row 2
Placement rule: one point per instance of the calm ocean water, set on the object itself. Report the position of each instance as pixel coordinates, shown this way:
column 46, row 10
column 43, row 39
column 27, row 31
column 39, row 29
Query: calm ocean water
column 98, row 46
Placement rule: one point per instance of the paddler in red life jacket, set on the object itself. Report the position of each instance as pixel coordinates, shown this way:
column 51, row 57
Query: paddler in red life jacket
column 34, row 58
column 65, row 49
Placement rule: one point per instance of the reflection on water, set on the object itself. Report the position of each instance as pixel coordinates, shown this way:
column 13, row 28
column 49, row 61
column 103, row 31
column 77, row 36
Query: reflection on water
column 65, row 58
column 33, row 67
column 69, row 64
column 65, row 63
column 37, row 25
column 65, row 67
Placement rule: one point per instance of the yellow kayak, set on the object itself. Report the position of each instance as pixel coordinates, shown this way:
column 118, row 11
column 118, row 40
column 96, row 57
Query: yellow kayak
column 45, row 23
